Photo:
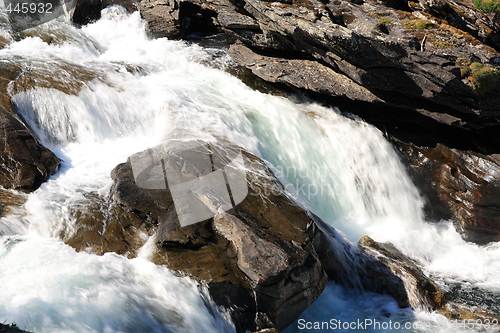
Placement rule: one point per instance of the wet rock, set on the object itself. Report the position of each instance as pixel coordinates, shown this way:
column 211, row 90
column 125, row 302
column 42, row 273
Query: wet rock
column 265, row 258
column 347, row 264
column 10, row 201
column 257, row 258
column 4, row 40
column 463, row 185
column 87, row 11
column 65, row 77
column 421, row 291
column 24, row 163
column 103, row 227
column 463, row 312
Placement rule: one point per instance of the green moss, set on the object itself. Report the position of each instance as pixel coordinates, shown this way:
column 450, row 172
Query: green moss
column 487, row 5
column 419, row 24
column 385, row 20
column 439, row 44
column 482, row 78
column 476, row 66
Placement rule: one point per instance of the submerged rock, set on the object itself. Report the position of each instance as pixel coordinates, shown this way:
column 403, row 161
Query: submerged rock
column 464, row 312
column 422, row 293
column 10, row 201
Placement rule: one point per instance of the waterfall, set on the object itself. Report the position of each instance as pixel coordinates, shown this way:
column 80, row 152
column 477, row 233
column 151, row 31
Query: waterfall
column 131, row 94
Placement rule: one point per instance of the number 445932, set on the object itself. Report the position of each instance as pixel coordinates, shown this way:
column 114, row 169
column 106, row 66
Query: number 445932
column 32, row 8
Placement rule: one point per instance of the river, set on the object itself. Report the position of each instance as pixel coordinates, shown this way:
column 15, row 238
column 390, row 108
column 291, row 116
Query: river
column 145, row 91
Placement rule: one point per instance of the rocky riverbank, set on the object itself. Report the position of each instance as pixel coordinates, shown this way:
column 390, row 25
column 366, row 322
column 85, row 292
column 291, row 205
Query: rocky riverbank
column 425, row 73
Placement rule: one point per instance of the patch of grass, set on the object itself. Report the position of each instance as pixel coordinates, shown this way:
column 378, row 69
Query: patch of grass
column 419, row 24
column 487, row 5
column 483, row 78
column 441, row 44
column 13, row 325
column 385, row 20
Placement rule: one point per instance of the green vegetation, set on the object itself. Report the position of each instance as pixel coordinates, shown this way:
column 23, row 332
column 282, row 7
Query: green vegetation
column 385, row 20
column 440, row 44
column 13, row 325
column 487, row 5
column 482, row 78
column 419, row 24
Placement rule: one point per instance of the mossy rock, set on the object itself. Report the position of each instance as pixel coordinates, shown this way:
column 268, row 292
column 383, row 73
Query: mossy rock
column 482, row 78
column 487, row 5
column 420, row 24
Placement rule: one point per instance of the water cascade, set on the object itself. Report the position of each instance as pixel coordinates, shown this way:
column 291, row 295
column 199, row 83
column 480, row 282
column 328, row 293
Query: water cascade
column 126, row 93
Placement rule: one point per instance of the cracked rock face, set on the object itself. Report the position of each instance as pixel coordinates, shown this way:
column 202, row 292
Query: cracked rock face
column 410, row 56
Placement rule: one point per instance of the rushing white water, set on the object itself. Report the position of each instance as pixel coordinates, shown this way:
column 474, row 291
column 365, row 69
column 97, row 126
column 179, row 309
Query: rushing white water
column 144, row 91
